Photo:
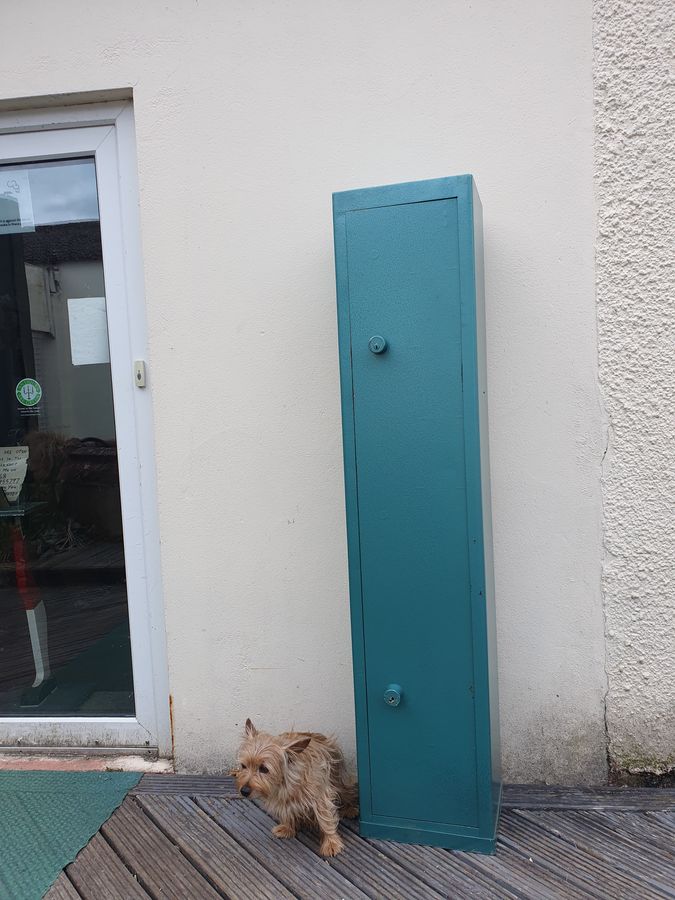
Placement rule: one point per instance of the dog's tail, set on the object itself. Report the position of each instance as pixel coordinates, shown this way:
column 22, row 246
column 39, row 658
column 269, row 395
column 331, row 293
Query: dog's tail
column 348, row 799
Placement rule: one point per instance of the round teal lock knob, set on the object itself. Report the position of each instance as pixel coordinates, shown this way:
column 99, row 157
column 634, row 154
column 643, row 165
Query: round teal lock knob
column 377, row 344
column 393, row 694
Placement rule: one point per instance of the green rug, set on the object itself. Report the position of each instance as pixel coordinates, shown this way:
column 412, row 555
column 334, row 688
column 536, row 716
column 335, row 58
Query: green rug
column 45, row 820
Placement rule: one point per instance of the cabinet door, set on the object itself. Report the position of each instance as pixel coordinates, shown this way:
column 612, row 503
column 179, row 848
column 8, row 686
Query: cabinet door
column 404, row 286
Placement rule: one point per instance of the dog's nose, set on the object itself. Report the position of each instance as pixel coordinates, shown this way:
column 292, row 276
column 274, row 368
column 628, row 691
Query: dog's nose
column 246, row 790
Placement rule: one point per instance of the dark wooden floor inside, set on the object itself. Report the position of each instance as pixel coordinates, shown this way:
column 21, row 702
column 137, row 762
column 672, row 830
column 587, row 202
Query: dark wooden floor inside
column 183, row 837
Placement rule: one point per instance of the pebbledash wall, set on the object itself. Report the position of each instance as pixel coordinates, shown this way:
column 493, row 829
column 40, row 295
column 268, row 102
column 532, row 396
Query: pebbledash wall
column 248, row 115
column 635, row 259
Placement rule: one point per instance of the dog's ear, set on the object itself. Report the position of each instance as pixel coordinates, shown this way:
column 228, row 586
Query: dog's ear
column 250, row 729
column 299, row 746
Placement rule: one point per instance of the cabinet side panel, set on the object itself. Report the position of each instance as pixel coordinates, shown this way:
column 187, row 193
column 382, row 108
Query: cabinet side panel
column 486, row 493
column 351, row 503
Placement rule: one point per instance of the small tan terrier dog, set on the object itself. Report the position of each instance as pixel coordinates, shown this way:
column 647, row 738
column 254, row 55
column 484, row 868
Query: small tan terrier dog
column 300, row 779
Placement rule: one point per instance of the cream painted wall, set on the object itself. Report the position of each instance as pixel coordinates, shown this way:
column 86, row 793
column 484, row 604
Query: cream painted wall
column 249, row 114
column 635, row 165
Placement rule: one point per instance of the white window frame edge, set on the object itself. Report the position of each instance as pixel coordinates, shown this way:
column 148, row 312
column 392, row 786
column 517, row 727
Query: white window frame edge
column 107, row 131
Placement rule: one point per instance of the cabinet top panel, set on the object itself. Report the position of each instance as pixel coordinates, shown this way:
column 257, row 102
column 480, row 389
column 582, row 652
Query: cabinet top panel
column 407, row 192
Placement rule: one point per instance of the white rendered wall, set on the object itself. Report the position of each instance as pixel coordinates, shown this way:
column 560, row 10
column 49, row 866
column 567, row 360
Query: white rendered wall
column 249, row 114
column 635, row 164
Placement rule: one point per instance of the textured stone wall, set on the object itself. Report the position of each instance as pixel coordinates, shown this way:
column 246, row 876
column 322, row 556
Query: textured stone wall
column 634, row 78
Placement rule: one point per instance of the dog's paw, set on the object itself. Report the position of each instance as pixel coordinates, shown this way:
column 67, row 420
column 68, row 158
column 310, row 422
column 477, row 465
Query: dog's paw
column 331, row 845
column 283, row 831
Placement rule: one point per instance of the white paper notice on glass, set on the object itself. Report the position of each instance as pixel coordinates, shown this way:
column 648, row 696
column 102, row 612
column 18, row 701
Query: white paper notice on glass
column 13, row 466
column 16, row 204
column 88, row 331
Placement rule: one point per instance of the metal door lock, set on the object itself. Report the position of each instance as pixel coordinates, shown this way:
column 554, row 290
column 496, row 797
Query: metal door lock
column 377, row 344
column 392, row 696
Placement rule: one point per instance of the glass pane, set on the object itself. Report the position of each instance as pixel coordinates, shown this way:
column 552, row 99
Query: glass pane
column 64, row 625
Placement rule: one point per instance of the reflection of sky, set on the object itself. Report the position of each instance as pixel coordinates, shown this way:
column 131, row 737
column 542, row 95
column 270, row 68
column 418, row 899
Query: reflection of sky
column 62, row 191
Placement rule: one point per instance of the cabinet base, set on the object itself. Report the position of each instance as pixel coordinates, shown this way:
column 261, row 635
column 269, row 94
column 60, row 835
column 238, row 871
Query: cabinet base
column 427, row 836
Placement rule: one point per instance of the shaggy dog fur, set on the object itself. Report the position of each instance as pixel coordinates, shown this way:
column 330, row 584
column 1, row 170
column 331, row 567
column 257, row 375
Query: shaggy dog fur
column 300, row 779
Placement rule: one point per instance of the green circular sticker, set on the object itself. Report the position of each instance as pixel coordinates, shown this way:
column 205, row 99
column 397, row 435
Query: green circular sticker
column 28, row 392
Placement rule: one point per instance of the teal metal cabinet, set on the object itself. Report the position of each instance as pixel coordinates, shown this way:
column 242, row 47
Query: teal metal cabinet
column 409, row 263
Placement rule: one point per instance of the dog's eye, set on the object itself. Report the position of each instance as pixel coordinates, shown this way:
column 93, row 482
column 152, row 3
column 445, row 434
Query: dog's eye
column 243, row 766
column 263, row 770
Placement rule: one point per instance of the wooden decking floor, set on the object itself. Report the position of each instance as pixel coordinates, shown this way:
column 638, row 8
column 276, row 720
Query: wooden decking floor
column 190, row 837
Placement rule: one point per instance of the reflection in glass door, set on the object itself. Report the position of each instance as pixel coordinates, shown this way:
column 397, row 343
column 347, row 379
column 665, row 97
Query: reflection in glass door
column 64, row 624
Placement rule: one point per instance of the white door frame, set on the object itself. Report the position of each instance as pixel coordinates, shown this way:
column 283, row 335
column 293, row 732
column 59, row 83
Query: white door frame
column 106, row 131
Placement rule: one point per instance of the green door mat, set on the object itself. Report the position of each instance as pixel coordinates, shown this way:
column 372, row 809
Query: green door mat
column 45, row 820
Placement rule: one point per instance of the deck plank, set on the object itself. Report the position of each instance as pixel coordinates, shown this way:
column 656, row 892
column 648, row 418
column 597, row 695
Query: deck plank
column 586, row 865
column 294, row 864
column 534, row 796
column 228, row 866
column 181, row 837
column 643, row 835
column 528, row 875
column 157, row 863
column 370, row 870
column 188, row 785
column 638, row 825
column 666, row 819
column 99, row 874
column 448, row 873
column 62, row 889
column 633, row 854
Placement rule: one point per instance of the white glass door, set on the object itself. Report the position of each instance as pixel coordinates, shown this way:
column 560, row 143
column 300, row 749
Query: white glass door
column 81, row 638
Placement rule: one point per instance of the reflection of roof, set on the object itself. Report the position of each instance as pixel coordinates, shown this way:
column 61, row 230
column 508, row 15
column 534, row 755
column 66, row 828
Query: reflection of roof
column 53, row 244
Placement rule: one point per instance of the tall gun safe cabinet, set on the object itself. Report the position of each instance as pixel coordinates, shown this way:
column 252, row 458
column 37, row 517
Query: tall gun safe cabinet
column 409, row 263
